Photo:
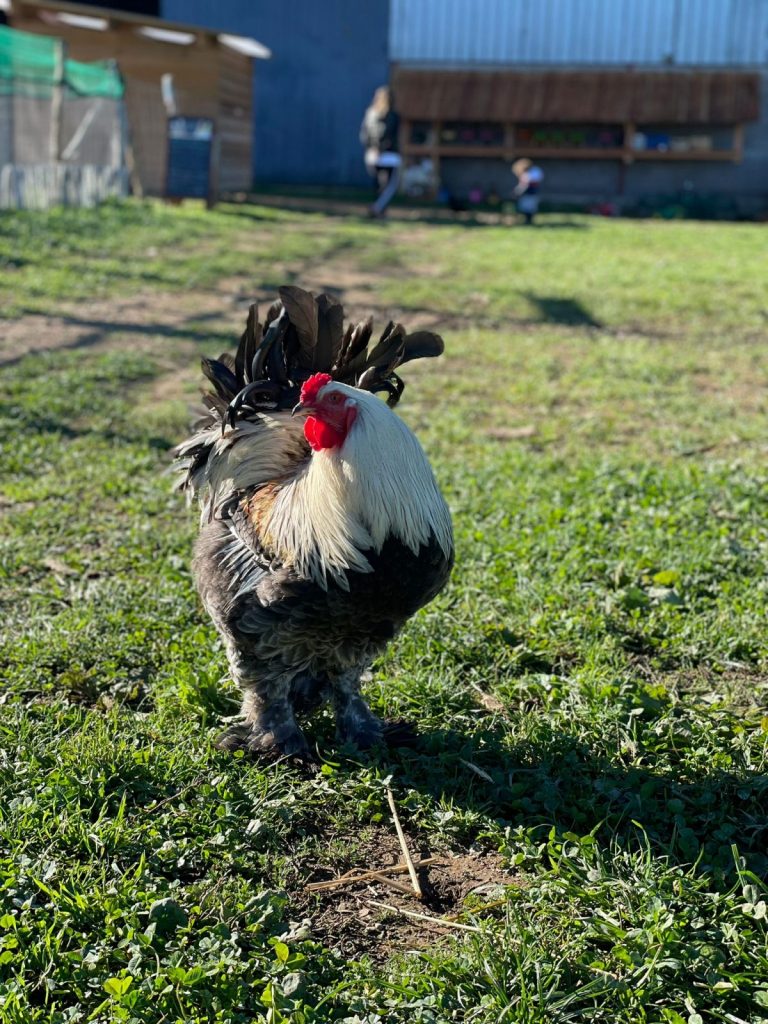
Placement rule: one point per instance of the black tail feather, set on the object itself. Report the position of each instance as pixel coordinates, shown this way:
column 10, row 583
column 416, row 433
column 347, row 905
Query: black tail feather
column 302, row 335
column 247, row 347
column 222, row 378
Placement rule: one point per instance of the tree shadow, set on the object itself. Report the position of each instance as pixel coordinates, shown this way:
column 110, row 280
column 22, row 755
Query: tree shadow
column 557, row 310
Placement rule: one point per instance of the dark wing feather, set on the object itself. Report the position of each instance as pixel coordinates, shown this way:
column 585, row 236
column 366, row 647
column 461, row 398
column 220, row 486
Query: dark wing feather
column 358, row 342
column 342, row 353
column 354, row 357
column 277, row 361
column 273, row 313
column 214, row 403
column 274, row 330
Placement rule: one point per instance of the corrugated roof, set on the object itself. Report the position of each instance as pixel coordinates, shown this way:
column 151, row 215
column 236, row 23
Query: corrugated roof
column 599, row 97
column 723, row 33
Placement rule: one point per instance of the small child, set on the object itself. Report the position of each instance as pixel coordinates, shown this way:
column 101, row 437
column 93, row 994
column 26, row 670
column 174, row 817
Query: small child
column 529, row 179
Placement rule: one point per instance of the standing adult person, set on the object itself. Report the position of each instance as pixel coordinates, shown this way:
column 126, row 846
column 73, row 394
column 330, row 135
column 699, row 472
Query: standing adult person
column 379, row 135
column 529, row 179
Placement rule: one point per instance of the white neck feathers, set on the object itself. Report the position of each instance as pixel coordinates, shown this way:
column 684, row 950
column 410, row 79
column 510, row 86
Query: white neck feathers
column 349, row 500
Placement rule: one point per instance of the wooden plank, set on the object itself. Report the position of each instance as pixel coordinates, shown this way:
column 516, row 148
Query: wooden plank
column 147, row 122
column 509, row 141
column 578, row 96
column 235, row 96
column 500, row 152
column 437, row 151
column 695, row 155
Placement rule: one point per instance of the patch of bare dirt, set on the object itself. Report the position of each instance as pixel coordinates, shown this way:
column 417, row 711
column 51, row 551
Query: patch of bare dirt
column 186, row 317
column 136, row 321
column 522, row 433
column 372, row 918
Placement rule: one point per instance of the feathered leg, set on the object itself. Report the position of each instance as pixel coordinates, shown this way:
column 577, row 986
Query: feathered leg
column 355, row 722
column 309, row 692
column 269, row 727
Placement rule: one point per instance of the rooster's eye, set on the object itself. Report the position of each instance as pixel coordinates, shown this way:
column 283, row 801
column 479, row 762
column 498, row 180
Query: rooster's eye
column 335, row 398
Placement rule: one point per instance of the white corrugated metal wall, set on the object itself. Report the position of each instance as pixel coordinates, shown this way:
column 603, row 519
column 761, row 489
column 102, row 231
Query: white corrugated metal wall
column 732, row 33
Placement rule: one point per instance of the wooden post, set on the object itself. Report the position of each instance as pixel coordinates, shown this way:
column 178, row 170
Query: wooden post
column 437, row 127
column 210, row 42
column 738, row 143
column 57, row 102
column 509, row 141
column 629, row 134
column 215, row 168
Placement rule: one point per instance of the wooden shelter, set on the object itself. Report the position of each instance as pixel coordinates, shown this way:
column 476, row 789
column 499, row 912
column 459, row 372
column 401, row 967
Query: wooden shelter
column 601, row 114
column 169, row 69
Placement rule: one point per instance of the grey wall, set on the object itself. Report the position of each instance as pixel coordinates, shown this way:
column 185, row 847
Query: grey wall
column 327, row 58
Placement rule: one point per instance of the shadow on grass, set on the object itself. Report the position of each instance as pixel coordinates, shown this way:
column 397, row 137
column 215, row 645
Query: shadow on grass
column 561, row 225
column 98, row 331
column 558, row 780
column 554, row 310
column 30, row 422
column 356, row 208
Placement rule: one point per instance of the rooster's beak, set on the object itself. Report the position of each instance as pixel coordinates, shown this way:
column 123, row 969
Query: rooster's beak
column 297, row 408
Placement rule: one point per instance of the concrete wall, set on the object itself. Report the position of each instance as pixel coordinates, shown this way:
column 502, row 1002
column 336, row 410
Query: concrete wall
column 328, row 57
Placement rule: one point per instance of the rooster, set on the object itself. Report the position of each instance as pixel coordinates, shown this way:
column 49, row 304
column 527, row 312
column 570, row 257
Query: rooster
column 322, row 527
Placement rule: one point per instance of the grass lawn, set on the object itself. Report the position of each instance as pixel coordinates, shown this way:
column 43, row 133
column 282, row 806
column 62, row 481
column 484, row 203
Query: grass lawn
column 591, row 688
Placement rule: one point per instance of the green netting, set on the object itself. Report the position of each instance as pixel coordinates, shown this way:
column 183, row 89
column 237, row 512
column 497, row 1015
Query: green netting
column 28, row 66
column 27, row 62
column 101, row 78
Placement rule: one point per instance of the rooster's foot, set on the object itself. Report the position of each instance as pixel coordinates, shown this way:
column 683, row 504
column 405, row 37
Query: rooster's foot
column 399, row 733
column 357, row 724
column 267, row 744
column 308, row 693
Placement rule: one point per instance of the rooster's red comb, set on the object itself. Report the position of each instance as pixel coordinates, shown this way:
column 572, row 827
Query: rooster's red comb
column 312, row 385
